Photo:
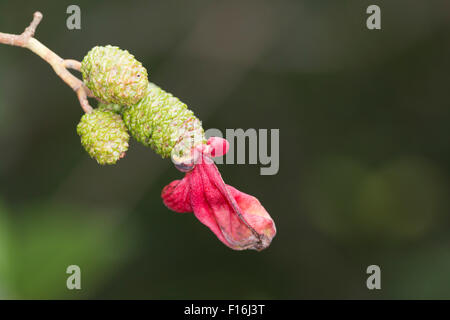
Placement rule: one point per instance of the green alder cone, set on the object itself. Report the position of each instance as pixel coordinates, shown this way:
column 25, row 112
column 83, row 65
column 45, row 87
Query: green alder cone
column 161, row 121
column 114, row 75
column 104, row 136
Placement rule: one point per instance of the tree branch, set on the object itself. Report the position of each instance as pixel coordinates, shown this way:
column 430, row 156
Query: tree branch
column 59, row 65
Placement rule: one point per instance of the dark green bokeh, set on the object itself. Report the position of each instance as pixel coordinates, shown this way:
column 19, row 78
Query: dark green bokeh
column 364, row 151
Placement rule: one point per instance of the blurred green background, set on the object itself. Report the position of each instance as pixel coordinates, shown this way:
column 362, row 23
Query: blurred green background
column 364, row 151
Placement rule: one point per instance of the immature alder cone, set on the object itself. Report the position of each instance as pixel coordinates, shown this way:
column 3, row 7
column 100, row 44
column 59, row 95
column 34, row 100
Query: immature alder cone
column 161, row 121
column 103, row 135
column 114, row 75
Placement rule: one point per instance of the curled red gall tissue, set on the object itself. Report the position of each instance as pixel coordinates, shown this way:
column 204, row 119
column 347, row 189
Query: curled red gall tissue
column 236, row 218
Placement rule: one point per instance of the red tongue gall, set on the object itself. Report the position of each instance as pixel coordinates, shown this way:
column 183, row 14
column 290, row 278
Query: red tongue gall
column 236, row 218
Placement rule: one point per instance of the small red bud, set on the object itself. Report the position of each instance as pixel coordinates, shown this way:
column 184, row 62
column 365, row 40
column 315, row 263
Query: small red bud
column 219, row 146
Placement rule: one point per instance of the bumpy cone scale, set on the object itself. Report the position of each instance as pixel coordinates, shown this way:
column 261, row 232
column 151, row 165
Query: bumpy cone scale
column 116, row 108
column 114, row 75
column 164, row 123
column 103, row 135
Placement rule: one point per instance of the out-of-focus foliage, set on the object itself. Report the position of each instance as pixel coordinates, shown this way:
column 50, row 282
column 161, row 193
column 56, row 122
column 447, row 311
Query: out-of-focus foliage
column 37, row 249
column 422, row 274
column 6, row 275
column 401, row 200
column 364, row 154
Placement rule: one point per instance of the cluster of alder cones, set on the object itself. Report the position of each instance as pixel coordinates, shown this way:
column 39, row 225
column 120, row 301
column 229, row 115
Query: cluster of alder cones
column 129, row 105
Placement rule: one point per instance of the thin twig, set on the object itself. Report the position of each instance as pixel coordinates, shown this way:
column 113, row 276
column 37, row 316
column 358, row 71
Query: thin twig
column 59, row 65
column 72, row 64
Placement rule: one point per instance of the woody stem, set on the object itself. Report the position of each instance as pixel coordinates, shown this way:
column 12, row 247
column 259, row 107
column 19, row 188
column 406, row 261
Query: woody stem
column 59, row 65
